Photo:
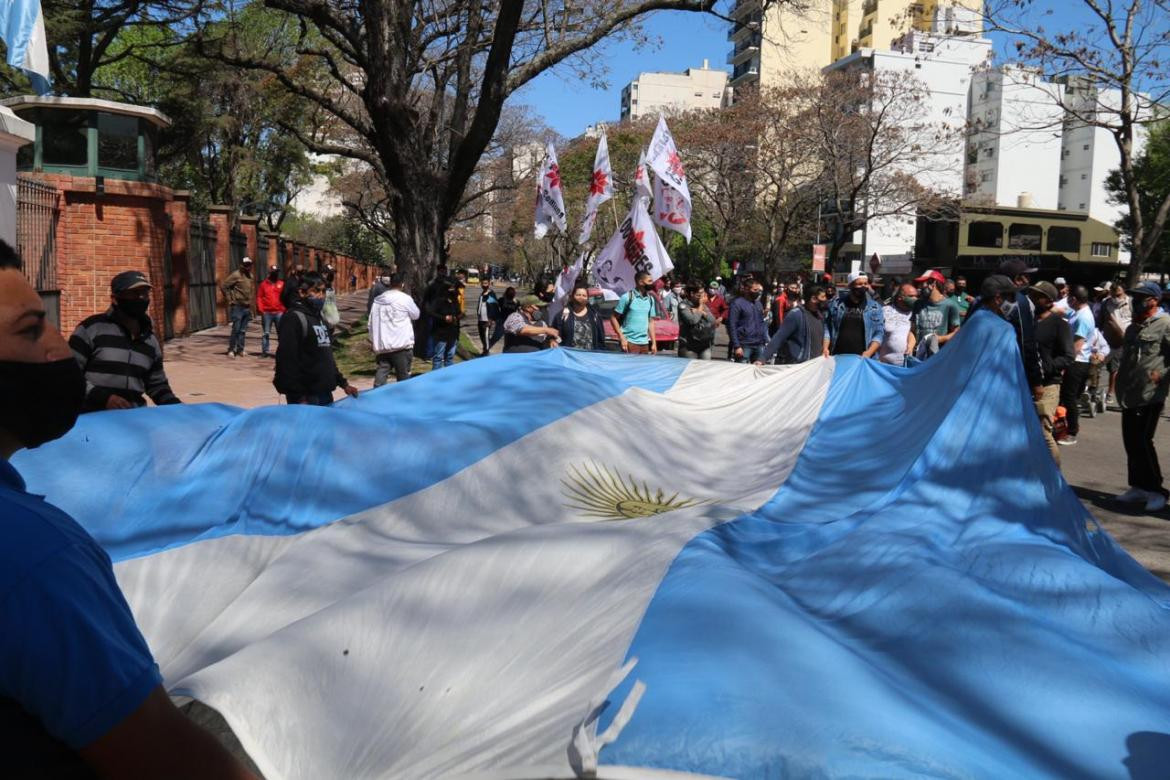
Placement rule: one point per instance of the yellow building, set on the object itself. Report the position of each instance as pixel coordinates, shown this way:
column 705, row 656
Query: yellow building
column 883, row 21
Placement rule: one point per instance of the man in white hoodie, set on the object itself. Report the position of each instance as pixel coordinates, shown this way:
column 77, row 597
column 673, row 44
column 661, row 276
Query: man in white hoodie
column 391, row 331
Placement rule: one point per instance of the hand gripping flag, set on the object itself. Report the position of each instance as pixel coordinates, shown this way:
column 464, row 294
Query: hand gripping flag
column 565, row 282
column 22, row 26
column 600, row 189
column 634, row 248
column 642, row 180
column 664, row 161
column 550, row 200
column 670, row 210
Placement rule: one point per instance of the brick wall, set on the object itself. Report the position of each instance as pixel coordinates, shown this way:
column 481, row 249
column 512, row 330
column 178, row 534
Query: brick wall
column 127, row 227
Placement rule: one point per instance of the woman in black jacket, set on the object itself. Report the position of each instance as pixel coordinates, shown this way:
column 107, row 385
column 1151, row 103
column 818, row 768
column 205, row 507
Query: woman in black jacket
column 581, row 325
column 445, row 316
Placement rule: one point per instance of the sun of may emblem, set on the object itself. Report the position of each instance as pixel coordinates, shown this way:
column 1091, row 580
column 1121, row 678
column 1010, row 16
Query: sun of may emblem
column 597, row 491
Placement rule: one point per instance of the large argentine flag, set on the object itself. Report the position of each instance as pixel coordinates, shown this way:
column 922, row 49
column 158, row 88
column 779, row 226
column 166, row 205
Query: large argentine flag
column 22, row 27
column 537, row 565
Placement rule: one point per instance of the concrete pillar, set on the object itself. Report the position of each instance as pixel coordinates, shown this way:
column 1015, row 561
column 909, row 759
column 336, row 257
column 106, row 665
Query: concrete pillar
column 14, row 133
column 220, row 218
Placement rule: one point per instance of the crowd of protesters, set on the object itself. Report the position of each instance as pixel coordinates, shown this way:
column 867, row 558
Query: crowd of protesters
column 1083, row 351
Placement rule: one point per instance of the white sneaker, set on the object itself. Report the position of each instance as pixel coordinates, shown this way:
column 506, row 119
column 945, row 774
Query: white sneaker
column 1156, row 502
column 1133, row 496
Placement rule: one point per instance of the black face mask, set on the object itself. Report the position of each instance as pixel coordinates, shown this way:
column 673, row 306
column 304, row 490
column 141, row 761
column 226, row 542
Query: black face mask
column 857, row 294
column 134, row 309
column 274, row 275
column 40, row 402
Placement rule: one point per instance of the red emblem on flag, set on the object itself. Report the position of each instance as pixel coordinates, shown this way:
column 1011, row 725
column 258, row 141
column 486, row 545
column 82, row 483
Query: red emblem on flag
column 553, row 176
column 675, row 165
column 600, row 182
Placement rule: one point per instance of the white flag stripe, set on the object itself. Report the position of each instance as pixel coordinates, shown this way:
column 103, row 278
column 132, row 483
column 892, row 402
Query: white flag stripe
column 467, row 671
column 565, row 282
column 642, row 180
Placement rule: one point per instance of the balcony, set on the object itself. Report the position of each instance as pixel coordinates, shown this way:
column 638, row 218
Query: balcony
column 752, row 22
column 745, row 73
column 869, row 7
column 749, row 47
column 744, row 7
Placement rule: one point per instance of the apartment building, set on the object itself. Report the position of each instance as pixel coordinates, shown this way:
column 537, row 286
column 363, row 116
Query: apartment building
column 1014, row 145
column 653, row 93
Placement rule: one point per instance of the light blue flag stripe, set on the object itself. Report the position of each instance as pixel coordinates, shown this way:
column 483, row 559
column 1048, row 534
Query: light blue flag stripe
column 19, row 20
column 220, row 478
column 925, row 596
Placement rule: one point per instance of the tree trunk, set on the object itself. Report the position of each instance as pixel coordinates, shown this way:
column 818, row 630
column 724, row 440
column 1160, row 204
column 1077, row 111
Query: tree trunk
column 418, row 243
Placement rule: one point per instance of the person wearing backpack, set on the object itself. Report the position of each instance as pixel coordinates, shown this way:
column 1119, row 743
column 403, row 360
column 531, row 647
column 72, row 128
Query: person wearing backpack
column 305, row 370
column 633, row 318
column 696, row 324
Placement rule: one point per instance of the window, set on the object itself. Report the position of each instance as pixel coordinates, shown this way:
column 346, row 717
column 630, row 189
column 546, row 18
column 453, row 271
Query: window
column 65, row 138
column 985, row 234
column 698, row 94
column 1064, row 239
column 1023, row 236
column 1084, row 176
column 117, row 141
column 985, row 176
column 1102, row 250
column 972, row 155
column 989, row 152
column 1082, row 207
column 1085, row 147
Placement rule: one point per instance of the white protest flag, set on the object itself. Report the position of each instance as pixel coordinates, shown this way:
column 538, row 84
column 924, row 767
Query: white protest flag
column 565, row 282
column 664, row 160
column 635, row 247
column 600, row 188
column 550, row 200
column 670, row 210
column 642, row 180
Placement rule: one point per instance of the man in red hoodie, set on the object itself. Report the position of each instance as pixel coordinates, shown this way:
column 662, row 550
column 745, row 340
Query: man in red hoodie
column 268, row 302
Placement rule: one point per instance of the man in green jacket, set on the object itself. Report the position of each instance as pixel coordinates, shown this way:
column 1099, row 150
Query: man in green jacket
column 240, row 292
column 1141, row 392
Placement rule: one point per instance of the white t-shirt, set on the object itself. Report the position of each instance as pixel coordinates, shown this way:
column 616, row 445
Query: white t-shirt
column 893, row 348
column 1082, row 323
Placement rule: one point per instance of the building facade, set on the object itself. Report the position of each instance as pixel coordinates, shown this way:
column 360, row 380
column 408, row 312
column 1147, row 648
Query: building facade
column 654, row 93
column 1014, row 145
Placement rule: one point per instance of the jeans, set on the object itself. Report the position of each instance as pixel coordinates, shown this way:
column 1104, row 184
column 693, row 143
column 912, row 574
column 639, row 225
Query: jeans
column 267, row 320
column 703, row 354
column 1137, row 433
column 444, row 355
column 1071, row 388
column 751, row 353
column 240, row 317
column 399, row 360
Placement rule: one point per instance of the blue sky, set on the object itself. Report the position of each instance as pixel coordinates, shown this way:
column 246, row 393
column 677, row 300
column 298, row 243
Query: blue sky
column 685, row 39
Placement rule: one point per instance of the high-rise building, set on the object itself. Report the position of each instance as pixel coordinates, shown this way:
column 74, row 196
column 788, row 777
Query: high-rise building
column 767, row 48
column 944, row 65
column 695, row 88
column 1014, row 141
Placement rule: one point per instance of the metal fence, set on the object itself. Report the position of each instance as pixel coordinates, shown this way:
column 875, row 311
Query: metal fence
column 201, row 289
column 239, row 247
column 36, row 240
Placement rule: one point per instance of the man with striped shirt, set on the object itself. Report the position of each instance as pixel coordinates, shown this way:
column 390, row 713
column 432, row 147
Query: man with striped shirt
column 118, row 351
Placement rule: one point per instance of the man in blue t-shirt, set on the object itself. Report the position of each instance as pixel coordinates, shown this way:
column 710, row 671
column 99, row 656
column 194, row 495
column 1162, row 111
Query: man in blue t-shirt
column 1084, row 325
column 633, row 318
column 80, row 693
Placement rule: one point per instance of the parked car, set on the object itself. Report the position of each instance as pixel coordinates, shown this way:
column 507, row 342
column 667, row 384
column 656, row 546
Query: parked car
column 665, row 330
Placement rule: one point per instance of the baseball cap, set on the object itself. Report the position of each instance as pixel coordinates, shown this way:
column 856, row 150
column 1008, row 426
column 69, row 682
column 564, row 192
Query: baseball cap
column 128, row 280
column 531, row 300
column 1150, row 289
column 1047, row 289
column 854, row 277
column 246, row 261
column 998, row 284
column 1060, row 280
column 1013, row 268
column 932, row 276
column 1102, row 287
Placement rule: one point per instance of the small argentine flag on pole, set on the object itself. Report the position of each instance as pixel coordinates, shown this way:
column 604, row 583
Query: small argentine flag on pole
column 22, row 26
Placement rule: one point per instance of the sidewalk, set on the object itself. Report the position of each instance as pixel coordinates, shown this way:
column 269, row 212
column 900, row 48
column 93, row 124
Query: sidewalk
column 200, row 370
